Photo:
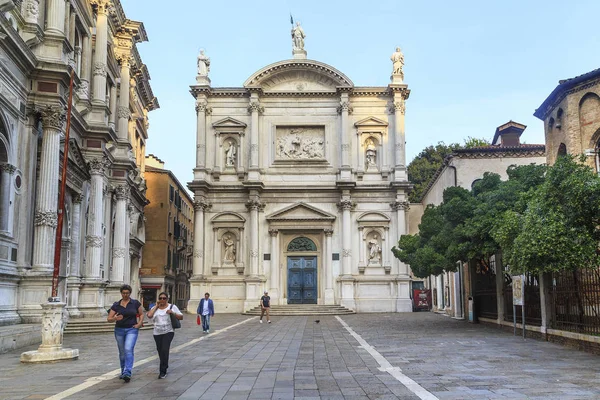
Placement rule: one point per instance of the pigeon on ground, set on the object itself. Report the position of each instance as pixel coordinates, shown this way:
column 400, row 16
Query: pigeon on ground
column 317, row 321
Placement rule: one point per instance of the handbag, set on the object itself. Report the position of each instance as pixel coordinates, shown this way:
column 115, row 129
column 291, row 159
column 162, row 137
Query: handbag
column 174, row 321
column 198, row 320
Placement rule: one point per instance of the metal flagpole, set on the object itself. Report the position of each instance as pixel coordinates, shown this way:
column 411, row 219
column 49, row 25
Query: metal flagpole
column 61, row 198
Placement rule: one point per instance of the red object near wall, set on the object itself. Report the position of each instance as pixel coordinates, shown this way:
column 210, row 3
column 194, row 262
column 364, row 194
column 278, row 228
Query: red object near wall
column 421, row 299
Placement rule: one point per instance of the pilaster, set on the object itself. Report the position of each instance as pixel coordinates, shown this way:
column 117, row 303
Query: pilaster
column 274, row 290
column 6, row 173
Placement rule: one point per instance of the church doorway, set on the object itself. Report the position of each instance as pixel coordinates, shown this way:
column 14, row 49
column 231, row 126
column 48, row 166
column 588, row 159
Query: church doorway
column 302, row 271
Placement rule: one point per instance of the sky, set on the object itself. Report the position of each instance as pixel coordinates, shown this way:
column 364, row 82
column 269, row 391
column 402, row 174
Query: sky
column 471, row 65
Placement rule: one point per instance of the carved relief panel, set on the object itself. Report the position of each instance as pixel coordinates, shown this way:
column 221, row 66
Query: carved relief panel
column 300, row 143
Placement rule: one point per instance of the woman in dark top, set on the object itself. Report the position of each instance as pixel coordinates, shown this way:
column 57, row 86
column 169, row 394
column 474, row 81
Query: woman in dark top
column 128, row 314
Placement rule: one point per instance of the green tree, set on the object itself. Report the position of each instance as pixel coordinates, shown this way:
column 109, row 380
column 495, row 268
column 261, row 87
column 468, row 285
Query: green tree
column 423, row 167
column 558, row 227
column 460, row 228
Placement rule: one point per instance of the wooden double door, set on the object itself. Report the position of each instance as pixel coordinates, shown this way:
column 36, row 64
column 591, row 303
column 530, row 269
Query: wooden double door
column 302, row 279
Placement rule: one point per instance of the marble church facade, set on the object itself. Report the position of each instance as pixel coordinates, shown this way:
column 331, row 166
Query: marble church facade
column 300, row 188
column 103, row 231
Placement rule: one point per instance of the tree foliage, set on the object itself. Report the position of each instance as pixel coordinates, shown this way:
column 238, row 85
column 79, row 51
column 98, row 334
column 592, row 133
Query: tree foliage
column 461, row 227
column 558, row 228
column 423, row 167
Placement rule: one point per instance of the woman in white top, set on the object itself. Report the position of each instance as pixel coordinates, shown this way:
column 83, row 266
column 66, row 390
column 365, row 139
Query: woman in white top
column 163, row 329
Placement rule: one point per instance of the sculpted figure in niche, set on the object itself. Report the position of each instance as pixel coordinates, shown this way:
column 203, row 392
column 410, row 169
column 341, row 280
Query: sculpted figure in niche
column 230, row 154
column 374, row 250
column 32, row 10
column 370, row 153
column 298, row 36
column 398, row 60
column 203, row 64
column 229, row 254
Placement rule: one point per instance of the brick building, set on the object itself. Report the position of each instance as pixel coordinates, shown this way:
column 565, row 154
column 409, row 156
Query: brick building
column 167, row 257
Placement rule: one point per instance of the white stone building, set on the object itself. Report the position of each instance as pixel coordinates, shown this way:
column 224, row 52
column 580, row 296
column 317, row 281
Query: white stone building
column 464, row 168
column 300, row 188
column 103, row 229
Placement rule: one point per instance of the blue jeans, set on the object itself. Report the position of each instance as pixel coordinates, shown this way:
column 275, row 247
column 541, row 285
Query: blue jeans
column 205, row 322
column 126, row 338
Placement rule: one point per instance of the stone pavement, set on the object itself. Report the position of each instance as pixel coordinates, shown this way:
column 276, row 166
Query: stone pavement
column 295, row 357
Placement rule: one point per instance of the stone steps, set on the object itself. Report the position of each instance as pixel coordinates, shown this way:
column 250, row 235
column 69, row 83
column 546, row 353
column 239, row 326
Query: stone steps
column 302, row 309
column 87, row 325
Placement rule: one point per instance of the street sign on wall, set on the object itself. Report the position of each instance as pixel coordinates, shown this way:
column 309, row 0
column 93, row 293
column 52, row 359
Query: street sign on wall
column 518, row 289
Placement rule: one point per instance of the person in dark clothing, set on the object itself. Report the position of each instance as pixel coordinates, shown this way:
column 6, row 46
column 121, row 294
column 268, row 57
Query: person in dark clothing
column 265, row 306
column 163, row 329
column 128, row 316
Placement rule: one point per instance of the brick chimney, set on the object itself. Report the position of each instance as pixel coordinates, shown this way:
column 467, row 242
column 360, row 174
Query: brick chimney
column 508, row 134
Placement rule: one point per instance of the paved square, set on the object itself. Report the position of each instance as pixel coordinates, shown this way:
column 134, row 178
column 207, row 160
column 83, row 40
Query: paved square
column 297, row 358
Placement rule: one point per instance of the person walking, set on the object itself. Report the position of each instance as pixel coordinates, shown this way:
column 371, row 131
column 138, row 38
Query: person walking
column 160, row 315
column 128, row 316
column 206, row 309
column 265, row 307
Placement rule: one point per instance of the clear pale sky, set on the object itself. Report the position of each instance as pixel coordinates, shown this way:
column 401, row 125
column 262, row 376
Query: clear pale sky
column 471, row 65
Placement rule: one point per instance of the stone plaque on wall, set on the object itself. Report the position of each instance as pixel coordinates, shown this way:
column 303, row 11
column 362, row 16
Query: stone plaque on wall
column 300, row 143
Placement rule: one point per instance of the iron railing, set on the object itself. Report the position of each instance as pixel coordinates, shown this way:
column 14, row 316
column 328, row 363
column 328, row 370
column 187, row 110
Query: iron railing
column 576, row 301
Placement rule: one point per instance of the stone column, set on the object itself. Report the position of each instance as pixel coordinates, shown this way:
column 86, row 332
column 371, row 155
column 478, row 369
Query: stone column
column 254, row 109
column 253, row 281
column 440, row 292
column 253, row 206
column 274, row 291
column 347, row 280
column 73, row 280
column 127, row 276
column 76, row 236
column 329, row 293
column 400, row 207
column 398, row 109
column 72, row 19
column 94, row 239
column 86, row 56
column 202, row 110
column 200, row 206
column 120, row 249
column 123, row 112
column 344, row 110
column 55, row 17
column 99, row 83
column 545, row 280
column 112, row 106
column 6, row 172
column 46, row 204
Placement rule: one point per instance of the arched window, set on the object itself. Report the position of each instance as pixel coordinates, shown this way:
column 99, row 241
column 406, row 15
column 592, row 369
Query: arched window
column 302, row 244
column 562, row 150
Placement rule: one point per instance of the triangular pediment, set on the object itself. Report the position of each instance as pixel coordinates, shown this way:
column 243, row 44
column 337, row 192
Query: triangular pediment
column 301, row 212
column 229, row 123
column 370, row 122
column 76, row 157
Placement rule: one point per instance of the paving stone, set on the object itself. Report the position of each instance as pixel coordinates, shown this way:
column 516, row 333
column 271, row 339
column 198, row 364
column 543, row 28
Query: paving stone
column 450, row 358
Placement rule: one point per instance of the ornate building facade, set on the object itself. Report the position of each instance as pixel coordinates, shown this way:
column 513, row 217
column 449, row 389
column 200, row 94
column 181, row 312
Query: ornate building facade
column 167, row 255
column 300, row 188
column 103, row 231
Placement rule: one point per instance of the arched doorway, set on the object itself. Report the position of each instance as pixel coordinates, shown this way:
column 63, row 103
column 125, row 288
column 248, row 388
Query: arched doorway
column 302, row 271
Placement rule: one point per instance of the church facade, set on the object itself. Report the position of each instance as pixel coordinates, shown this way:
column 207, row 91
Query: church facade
column 300, row 188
